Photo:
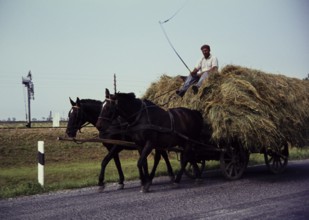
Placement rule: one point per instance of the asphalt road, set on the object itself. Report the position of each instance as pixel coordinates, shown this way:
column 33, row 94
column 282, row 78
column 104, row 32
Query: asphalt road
column 258, row 195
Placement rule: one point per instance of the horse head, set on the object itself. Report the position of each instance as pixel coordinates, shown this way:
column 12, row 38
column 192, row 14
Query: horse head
column 82, row 113
column 118, row 104
column 76, row 119
column 108, row 112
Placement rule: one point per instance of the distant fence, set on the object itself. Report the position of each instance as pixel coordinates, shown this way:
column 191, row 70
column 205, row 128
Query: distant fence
column 34, row 124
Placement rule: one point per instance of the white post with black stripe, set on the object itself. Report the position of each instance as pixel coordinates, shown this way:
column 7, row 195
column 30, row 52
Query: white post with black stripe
column 41, row 162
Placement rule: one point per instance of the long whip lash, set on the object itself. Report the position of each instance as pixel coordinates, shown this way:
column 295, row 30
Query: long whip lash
column 166, row 36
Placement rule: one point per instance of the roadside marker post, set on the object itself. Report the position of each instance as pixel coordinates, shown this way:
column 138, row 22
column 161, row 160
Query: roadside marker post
column 41, row 162
column 56, row 120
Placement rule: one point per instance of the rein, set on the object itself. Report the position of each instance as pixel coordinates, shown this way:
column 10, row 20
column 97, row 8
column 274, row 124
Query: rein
column 79, row 128
column 172, row 90
column 138, row 113
column 134, row 126
column 143, row 107
column 84, row 125
column 164, row 93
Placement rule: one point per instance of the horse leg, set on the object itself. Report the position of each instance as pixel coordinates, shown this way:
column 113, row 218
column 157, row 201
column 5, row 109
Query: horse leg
column 157, row 158
column 158, row 154
column 197, row 171
column 142, row 163
column 143, row 171
column 121, row 176
column 140, row 169
column 183, row 164
column 104, row 163
column 168, row 165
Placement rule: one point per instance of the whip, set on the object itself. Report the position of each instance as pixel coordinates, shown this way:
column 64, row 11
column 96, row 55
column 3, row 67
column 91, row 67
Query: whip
column 166, row 36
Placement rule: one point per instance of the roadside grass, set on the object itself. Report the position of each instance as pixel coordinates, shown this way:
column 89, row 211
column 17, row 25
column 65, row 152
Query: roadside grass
column 70, row 165
column 19, row 181
column 298, row 153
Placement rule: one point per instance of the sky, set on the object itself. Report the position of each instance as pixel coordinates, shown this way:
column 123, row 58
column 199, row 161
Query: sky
column 74, row 47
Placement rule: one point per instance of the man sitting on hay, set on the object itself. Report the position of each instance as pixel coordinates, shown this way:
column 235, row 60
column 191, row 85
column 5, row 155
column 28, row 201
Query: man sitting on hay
column 207, row 64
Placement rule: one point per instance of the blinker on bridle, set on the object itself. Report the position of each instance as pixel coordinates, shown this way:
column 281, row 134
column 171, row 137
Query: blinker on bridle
column 114, row 112
column 79, row 126
column 143, row 106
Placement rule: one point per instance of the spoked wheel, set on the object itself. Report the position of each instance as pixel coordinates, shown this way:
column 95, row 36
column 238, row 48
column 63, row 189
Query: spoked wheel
column 277, row 161
column 189, row 171
column 234, row 162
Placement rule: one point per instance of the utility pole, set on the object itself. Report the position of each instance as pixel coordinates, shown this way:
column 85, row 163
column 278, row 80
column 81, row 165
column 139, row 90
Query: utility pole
column 27, row 81
column 115, row 84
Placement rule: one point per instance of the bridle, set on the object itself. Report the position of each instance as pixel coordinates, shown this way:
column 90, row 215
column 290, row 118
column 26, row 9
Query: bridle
column 135, row 124
column 114, row 109
column 79, row 125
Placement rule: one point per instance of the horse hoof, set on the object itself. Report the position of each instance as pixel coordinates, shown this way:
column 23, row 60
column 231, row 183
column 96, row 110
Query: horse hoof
column 144, row 189
column 147, row 186
column 120, row 186
column 175, row 184
column 101, row 188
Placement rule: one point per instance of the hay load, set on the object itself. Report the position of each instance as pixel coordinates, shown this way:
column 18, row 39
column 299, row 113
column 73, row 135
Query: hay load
column 256, row 109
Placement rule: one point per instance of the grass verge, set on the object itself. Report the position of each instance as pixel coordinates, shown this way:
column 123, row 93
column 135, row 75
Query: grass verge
column 21, row 181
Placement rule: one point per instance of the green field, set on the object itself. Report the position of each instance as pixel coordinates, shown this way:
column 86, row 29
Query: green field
column 67, row 164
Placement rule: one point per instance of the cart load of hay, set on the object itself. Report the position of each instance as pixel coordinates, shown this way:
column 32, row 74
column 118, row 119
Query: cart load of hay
column 254, row 108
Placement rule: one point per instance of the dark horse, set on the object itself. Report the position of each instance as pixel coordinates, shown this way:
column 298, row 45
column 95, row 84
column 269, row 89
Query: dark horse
column 152, row 127
column 88, row 110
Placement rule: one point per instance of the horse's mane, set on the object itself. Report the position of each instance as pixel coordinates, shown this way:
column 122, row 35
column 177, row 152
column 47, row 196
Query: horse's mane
column 148, row 102
column 90, row 101
column 130, row 95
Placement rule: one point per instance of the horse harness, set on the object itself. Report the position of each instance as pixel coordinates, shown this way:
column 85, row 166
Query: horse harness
column 134, row 126
column 80, row 125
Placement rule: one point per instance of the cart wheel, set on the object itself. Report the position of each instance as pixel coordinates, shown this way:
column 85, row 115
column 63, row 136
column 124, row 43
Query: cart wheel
column 277, row 161
column 233, row 162
column 189, row 171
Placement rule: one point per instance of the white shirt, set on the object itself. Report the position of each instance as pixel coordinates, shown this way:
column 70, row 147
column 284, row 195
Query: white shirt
column 204, row 64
